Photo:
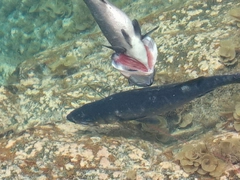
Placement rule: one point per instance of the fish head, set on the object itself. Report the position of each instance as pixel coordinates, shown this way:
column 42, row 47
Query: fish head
column 141, row 80
column 78, row 116
column 138, row 72
column 86, row 115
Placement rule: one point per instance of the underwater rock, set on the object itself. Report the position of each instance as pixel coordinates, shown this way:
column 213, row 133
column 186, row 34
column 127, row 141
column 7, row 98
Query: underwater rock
column 186, row 120
column 211, row 157
column 160, row 131
column 236, row 117
column 34, row 26
column 197, row 158
column 229, row 47
column 227, row 51
column 190, row 169
column 236, row 125
column 219, row 169
column 229, row 149
column 232, row 115
column 236, row 113
column 62, row 63
column 208, row 163
column 235, row 13
column 202, row 172
column 189, row 157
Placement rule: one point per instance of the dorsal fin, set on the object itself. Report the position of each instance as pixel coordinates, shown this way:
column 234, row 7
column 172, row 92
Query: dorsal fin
column 117, row 49
column 145, row 35
column 137, row 28
column 126, row 37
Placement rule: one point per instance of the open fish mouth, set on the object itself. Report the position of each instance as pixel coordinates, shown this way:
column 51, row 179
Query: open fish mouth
column 135, row 54
column 138, row 73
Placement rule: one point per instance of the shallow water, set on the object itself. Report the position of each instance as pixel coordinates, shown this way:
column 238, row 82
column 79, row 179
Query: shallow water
column 52, row 62
column 29, row 27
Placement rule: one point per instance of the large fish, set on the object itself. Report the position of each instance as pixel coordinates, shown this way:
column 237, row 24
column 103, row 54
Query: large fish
column 143, row 104
column 135, row 54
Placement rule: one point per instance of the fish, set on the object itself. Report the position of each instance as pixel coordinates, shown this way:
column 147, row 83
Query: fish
column 135, row 54
column 144, row 104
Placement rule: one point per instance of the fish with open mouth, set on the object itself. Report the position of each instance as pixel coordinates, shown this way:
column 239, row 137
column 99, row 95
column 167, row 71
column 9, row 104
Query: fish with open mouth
column 145, row 104
column 135, row 54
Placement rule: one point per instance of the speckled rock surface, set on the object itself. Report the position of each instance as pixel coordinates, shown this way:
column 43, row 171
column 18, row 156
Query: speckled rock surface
column 38, row 143
column 62, row 152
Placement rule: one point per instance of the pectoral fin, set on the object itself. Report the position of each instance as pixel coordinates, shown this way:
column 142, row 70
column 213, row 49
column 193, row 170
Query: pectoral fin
column 117, row 49
column 145, row 35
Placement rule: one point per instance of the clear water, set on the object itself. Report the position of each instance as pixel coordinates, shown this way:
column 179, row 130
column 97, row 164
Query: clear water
column 52, row 61
column 31, row 26
column 52, row 58
column 43, row 42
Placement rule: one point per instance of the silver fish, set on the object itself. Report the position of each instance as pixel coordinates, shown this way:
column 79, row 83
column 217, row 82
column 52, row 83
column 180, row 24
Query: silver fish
column 135, row 54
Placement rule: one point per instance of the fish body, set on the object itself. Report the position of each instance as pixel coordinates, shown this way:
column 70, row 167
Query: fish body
column 136, row 54
column 147, row 102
